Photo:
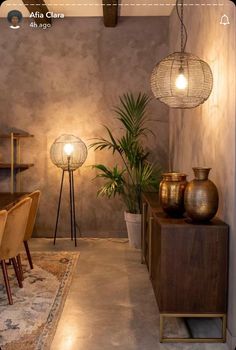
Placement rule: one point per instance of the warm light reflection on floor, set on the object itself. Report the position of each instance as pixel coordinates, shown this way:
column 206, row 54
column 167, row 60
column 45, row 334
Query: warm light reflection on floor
column 68, row 343
column 72, row 334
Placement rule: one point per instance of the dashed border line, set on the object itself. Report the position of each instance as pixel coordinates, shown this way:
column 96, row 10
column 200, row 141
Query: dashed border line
column 125, row 4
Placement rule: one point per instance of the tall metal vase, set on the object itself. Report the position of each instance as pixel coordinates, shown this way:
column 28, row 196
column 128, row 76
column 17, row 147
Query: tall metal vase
column 201, row 197
column 171, row 193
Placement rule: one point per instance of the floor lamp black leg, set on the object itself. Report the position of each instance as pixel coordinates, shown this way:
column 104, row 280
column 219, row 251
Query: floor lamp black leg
column 73, row 201
column 71, row 207
column 59, row 206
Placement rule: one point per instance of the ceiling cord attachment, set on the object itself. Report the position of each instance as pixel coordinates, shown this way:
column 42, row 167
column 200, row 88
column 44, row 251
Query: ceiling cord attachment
column 184, row 34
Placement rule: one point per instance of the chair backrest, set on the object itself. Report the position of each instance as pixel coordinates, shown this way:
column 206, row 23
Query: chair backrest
column 35, row 196
column 3, row 219
column 15, row 229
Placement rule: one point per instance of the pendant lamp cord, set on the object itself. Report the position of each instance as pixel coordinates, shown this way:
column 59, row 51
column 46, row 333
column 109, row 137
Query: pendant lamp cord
column 183, row 28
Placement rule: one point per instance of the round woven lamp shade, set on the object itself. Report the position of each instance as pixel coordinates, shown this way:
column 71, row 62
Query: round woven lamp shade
column 197, row 84
column 68, row 146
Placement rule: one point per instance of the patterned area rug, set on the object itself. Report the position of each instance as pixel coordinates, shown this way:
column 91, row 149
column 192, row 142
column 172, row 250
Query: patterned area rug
column 30, row 323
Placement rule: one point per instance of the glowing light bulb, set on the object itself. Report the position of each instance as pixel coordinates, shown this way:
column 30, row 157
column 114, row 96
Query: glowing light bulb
column 68, row 149
column 181, row 82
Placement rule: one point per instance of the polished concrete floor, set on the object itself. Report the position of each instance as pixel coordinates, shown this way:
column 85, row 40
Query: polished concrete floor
column 111, row 304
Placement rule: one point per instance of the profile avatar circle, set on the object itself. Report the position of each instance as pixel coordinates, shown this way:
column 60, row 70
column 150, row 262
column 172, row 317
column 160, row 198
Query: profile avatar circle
column 14, row 17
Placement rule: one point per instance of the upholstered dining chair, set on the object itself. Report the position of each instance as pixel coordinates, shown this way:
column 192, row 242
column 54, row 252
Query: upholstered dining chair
column 3, row 218
column 12, row 239
column 35, row 196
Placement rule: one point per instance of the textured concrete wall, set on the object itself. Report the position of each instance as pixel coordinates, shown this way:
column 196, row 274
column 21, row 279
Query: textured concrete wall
column 205, row 136
column 66, row 80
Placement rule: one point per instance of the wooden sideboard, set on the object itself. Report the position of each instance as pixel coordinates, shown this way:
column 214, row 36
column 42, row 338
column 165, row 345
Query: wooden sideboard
column 187, row 264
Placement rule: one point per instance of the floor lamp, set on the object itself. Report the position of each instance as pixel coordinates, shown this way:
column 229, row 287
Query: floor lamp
column 68, row 153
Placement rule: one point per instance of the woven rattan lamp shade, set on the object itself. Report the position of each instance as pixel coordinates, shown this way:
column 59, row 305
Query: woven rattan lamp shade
column 76, row 147
column 198, row 76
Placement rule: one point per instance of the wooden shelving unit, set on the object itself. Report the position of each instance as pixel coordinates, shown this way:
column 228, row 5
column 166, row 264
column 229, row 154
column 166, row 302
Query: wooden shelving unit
column 15, row 136
column 15, row 165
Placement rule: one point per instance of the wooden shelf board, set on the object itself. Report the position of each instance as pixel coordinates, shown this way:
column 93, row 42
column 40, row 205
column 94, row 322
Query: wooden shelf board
column 7, row 199
column 16, row 166
column 16, row 136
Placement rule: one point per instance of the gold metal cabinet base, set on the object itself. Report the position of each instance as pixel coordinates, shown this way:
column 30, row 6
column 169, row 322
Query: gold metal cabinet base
column 193, row 340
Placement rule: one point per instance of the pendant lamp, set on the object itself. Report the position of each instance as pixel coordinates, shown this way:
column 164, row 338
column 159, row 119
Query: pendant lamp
column 182, row 80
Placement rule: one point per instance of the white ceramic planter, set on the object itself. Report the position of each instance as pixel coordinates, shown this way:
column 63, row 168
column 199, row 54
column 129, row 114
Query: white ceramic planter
column 133, row 224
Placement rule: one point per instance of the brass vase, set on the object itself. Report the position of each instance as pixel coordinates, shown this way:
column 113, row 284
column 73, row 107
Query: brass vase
column 171, row 193
column 201, row 196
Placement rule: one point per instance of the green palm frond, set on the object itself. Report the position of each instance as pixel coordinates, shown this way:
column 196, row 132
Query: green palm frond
column 138, row 174
column 148, row 176
column 143, row 174
column 106, row 144
column 114, row 180
column 132, row 113
column 133, row 150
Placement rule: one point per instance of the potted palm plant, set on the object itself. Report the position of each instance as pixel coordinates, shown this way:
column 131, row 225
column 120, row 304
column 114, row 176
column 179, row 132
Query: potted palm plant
column 136, row 174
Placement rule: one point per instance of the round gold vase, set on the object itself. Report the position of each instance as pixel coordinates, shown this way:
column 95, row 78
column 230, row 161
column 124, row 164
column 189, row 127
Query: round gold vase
column 171, row 193
column 201, row 196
